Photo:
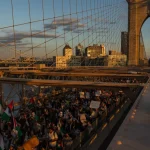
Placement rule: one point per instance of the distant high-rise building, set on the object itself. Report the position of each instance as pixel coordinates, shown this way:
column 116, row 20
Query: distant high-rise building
column 79, row 50
column 124, row 43
column 95, row 51
column 67, row 51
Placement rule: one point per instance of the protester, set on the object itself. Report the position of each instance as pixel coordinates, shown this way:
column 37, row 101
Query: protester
column 56, row 119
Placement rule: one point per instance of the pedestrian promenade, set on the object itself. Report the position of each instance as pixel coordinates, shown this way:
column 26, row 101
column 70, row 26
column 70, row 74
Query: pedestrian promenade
column 134, row 133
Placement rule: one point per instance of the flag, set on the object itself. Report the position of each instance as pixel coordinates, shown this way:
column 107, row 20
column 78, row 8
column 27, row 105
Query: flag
column 19, row 131
column 14, row 122
column 31, row 103
column 6, row 115
column 1, row 142
column 36, row 118
column 16, row 127
column 11, row 105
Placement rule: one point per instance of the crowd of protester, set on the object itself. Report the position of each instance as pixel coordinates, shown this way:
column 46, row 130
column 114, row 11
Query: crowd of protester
column 56, row 120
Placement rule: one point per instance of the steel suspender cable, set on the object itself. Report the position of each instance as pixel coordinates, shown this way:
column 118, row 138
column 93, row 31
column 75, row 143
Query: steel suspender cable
column 72, row 21
column 13, row 26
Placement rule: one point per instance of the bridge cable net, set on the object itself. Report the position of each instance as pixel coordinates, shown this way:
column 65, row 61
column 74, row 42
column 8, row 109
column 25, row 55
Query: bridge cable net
column 37, row 31
column 142, row 51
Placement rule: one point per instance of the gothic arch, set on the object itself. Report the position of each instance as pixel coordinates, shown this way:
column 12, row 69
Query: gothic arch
column 139, row 11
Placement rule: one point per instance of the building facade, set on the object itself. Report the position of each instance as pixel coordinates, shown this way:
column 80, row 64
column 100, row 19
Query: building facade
column 96, row 56
column 75, row 61
column 67, row 51
column 87, row 61
column 60, row 61
column 103, row 50
column 95, row 51
column 79, row 50
column 67, row 59
column 116, row 60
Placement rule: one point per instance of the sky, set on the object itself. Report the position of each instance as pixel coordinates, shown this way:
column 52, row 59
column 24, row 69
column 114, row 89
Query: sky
column 146, row 36
column 57, row 22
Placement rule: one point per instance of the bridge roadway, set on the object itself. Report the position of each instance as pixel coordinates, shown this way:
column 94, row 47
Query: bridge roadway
column 123, row 69
column 82, row 74
column 134, row 133
column 66, row 83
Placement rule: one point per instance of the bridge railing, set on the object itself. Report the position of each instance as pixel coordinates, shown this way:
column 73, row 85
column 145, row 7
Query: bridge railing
column 98, row 124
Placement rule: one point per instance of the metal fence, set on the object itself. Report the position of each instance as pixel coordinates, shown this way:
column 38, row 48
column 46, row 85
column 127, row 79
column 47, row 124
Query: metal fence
column 98, row 124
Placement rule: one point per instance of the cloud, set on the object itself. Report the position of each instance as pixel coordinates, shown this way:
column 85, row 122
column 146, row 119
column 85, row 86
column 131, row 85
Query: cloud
column 50, row 26
column 90, row 30
column 97, row 30
column 22, row 35
column 61, row 22
column 41, row 35
column 69, row 24
column 79, row 31
column 19, row 36
column 74, row 27
column 12, row 43
column 104, row 20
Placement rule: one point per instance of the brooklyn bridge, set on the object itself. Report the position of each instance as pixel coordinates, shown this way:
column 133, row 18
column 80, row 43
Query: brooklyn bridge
column 74, row 74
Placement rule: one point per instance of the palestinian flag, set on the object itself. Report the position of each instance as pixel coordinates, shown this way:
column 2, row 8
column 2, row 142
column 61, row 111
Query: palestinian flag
column 6, row 115
column 31, row 103
column 32, row 100
column 14, row 122
column 19, row 132
column 16, row 127
column 36, row 118
column 11, row 105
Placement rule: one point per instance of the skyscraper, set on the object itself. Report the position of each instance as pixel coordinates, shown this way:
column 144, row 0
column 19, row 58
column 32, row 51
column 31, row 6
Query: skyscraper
column 124, row 43
column 79, row 50
column 67, row 51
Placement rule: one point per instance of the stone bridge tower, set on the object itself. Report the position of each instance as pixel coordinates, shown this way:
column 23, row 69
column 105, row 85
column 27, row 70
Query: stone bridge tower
column 139, row 11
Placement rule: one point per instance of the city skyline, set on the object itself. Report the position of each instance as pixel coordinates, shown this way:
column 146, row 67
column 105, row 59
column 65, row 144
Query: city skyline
column 55, row 23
